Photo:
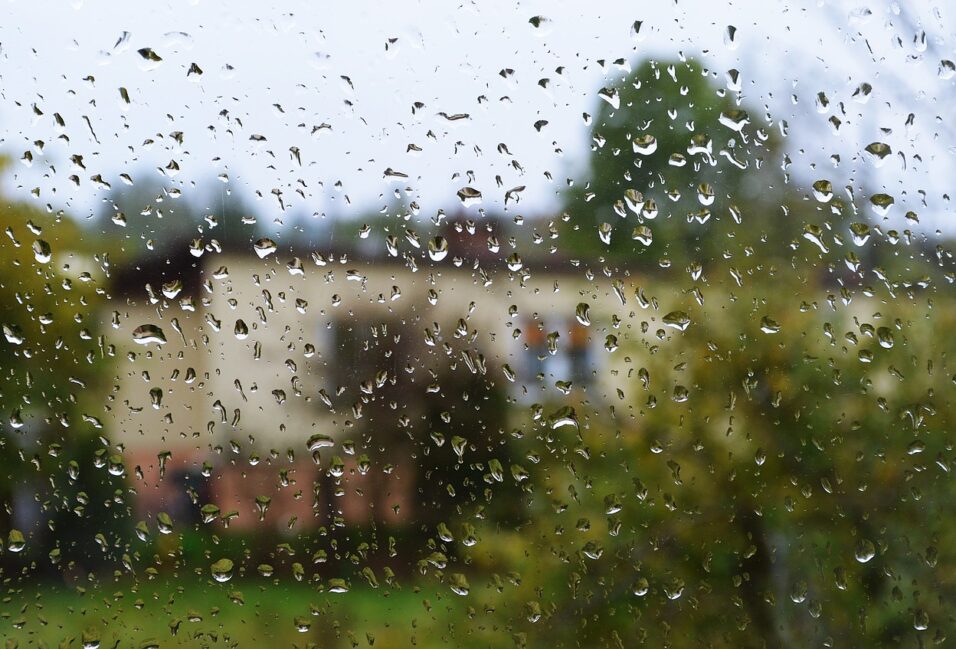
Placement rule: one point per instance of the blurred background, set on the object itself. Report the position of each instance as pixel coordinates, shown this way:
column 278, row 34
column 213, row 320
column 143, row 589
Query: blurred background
column 477, row 325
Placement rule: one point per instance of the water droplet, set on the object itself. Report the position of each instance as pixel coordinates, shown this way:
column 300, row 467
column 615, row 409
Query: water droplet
column 437, row 248
column 164, row 523
column 459, row 584
column 15, row 541
column 734, row 119
column 338, row 585
column 611, row 96
column 823, row 191
column 265, row 247
column 222, row 570
column 885, row 337
column 700, row 216
column 209, row 513
column 636, row 30
column 319, row 441
column 634, row 200
column 469, row 196
column 148, row 333
column 947, row 69
column 733, row 80
column 877, row 152
column 814, row 234
column 391, row 245
column 90, row 640
column 148, row 54
column 542, row 25
column 769, row 326
column 644, row 144
column 583, row 314
column 881, row 203
column 643, row 235
column 592, row 550
column 509, row 373
column 172, row 288
column 42, row 252
column 604, row 232
column 262, row 505
column 798, row 593
column 865, row 550
column 150, row 59
column 564, row 416
column 862, row 93
column 679, row 320
column 730, row 37
column 13, row 334
column 860, row 233
column 674, row 588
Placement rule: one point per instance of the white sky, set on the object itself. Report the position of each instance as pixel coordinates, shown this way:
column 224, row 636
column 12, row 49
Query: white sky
column 446, row 56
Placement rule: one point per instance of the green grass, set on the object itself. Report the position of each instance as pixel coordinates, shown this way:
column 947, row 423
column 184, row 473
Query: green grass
column 202, row 613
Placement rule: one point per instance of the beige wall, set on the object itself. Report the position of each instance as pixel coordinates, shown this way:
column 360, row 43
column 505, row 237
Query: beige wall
column 220, row 359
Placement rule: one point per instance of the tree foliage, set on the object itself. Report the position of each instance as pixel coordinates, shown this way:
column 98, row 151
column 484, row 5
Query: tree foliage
column 678, row 164
column 52, row 359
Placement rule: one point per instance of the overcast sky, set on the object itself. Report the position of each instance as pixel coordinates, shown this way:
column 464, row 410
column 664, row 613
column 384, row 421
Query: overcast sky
column 339, row 81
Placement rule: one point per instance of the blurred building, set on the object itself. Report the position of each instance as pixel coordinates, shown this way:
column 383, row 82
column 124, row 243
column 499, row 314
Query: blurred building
column 264, row 354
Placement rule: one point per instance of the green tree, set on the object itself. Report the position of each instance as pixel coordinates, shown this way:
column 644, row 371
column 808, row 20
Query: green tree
column 777, row 475
column 677, row 165
column 52, row 359
column 774, row 470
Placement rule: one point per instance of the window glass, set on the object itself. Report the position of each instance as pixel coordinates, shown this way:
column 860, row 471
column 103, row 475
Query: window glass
column 477, row 325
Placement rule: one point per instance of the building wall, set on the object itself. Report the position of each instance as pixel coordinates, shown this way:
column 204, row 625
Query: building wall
column 255, row 399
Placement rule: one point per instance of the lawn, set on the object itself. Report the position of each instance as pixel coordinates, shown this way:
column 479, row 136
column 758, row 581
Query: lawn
column 193, row 612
